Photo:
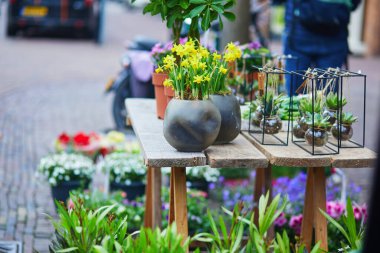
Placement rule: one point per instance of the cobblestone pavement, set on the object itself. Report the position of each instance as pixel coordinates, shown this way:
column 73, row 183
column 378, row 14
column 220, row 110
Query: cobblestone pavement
column 52, row 85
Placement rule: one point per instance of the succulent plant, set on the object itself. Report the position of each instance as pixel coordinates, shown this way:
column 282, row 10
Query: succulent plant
column 319, row 121
column 306, row 105
column 348, row 118
column 333, row 102
column 270, row 103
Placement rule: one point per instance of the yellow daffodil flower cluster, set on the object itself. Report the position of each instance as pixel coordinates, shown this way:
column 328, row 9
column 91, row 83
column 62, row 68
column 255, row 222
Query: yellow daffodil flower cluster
column 194, row 72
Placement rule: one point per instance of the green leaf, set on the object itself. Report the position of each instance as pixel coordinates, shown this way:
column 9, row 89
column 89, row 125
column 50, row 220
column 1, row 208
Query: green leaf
column 316, row 247
column 206, row 20
column 196, row 11
column 198, row 1
column 336, row 224
column 217, row 8
column 229, row 15
column 66, row 250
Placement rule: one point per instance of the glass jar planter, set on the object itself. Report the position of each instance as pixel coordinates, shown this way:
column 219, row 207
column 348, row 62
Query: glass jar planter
column 271, row 125
column 317, row 136
column 346, row 132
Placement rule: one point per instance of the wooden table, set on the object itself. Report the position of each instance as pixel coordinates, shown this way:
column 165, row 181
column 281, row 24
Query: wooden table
column 158, row 153
column 315, row 194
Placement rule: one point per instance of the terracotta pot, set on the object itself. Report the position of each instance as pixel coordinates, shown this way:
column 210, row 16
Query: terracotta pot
column 161, row 103
column 169, row 93
column 191, row 125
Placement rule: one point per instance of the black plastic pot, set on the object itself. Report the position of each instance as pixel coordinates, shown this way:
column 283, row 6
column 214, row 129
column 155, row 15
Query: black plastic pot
column 201, row 185
column 191, row 125
column 61, row 192
column 134, row 190
column 229, row 109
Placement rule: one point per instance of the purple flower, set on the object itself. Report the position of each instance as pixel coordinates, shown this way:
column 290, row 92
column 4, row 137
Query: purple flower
column 295, row 223
column 334, row 209
column 183, row 40
column 211, row 186
column 281, row 220
column 254, row 45
column 157, row 49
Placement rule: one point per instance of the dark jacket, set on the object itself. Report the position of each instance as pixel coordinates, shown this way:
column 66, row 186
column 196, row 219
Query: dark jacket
column 298, row 38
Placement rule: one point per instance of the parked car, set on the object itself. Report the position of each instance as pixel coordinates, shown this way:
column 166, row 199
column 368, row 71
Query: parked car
column 80, row 15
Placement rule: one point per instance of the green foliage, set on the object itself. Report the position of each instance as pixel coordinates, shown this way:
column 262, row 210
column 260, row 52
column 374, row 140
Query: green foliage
column 348, row 118
column 319, row 121
column 333, row 102
column 350, row 232
column 306, row 104
column 174, row 12
column 270, row 103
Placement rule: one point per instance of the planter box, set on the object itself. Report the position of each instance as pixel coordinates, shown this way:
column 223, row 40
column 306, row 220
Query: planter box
column 61, row 192
column 134, row 190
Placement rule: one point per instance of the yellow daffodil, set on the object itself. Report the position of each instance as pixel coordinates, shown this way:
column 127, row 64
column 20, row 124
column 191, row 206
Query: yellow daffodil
column 216, row 56
column 168, row 83
column 169, row 59
column 159, row 70
column 223, row 70
column 204, row 52
column 185, row 63
column 207, row 78
column 198, row 79
column 179, row 76
column 202, row 65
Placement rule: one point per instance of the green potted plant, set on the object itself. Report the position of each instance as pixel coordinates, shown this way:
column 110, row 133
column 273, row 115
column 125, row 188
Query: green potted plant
column 127, row 173
column 317, row 134
column 346, row 130
column 269, row 104
column 66, row 172
column 333, row 104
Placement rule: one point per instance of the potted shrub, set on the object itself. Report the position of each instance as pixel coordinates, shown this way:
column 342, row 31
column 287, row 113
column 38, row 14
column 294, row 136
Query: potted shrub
column 269, row 104
column 333, row 104
column 66, row 172
column 346, row 130
column 201, row 176
column 127, row 173
column 317, row 134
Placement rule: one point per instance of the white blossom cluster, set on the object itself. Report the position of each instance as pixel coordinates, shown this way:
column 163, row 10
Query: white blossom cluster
column 203, row 172
column 57, row 168
column 124, row 168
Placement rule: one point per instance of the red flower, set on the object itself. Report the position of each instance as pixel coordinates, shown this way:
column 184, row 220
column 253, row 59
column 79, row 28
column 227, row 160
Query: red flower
column 81, row 139
column 64, row 138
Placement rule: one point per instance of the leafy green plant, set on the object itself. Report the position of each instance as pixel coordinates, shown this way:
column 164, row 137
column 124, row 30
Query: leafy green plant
column 282, row 244
column 79, row 229
column 319, row 121
column 351, row 233
column 270, row 103
column 174, row 12
column 348, row 118
column 333, row 102
column 306, row 105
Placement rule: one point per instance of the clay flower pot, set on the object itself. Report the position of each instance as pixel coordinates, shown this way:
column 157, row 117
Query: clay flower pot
column 346, row 132
column 169, row 93
column 317, row 135
column 271, row 125
column 229, row 109
column 191, row 125
column 161, row 103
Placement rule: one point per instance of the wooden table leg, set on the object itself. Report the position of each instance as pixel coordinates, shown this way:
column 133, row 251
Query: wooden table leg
column 171, row 198
column 148, row 219
column 320, row 222
column 258, row 191
column 308, row 210
column 178, row 180
column 315, row 199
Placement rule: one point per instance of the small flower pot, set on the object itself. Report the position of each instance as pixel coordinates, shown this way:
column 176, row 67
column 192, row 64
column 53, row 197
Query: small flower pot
column 161, row 103
column 317, row 136
column 229, row 109
column 271, row 125
column 169, row 93
column 191, row 125
column 298, row 130
column 133, row 190
column 346, row 132
column 61, row 192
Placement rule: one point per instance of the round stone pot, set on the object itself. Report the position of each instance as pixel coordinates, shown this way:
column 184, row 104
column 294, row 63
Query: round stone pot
column 191, row 125
column 61, row 192
column 319, row 135
column 134, row 190
column 229, row 109
column 271, row 125
column 161, row 103
column 346, row 132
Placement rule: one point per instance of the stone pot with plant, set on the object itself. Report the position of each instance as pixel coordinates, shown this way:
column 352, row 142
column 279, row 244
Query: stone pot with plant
column 333, row 104
column 66, row 172
column 126, row 173
column 346, row 131
column 317, row 134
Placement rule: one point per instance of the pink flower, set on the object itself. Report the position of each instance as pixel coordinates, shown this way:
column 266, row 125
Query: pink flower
column 357, row 212
column 281, row 220
column 334, row 209
column 295, row 223
column 70, row 205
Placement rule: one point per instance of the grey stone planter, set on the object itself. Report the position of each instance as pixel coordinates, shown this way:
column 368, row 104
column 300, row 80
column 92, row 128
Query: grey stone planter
column 191, row 125
column 229, row 109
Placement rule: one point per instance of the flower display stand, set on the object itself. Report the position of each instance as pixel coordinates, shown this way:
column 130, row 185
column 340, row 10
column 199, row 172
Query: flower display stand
column 158, row 153
column 315, row 192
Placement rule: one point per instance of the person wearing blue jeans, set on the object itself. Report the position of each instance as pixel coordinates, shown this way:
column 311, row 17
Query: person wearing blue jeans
column 316, row 32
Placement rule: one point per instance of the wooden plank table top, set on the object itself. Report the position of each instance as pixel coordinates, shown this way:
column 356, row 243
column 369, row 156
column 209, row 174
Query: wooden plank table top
column 240, row 153
column 294, row 156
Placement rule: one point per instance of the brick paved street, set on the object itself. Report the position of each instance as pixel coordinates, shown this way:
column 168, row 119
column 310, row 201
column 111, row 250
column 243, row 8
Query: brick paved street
column 50, row 85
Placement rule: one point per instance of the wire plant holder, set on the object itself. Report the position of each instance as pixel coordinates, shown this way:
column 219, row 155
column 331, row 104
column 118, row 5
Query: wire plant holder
column 346, row 79
column 265, row 126
column 316, row 84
